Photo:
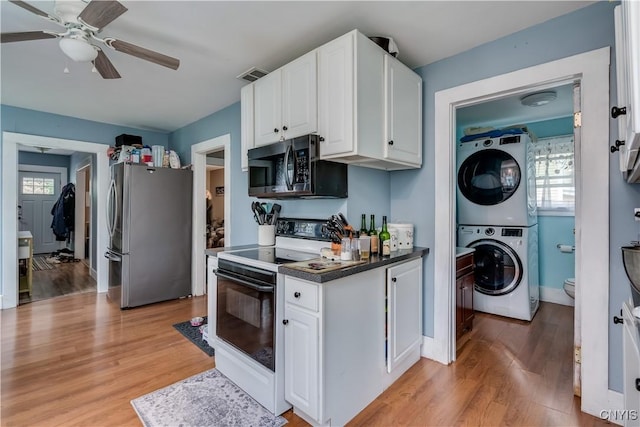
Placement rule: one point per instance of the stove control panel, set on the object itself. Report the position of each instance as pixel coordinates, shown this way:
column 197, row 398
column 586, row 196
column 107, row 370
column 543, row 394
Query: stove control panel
column 301, row 228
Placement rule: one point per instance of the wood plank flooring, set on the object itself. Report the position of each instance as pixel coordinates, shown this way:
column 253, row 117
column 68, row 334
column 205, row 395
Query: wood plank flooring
column 66, row 278
column 78, row 361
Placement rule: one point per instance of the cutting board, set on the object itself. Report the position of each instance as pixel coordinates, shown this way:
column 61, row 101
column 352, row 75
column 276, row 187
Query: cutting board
column 322, row 265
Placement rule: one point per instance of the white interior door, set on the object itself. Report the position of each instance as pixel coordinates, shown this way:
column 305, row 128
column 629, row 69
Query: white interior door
column 37, row 193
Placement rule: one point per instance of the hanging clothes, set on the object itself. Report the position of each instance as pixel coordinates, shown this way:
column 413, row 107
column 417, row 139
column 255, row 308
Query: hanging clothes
column 64, row 213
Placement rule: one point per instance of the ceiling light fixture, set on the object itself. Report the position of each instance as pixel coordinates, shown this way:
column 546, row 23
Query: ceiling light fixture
column 78, row 49
column 538, row 99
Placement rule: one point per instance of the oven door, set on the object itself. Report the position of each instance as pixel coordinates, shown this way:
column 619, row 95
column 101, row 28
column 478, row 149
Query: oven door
column 245, row 312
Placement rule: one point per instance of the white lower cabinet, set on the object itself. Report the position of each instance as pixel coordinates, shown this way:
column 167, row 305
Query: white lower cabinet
column 337, row 339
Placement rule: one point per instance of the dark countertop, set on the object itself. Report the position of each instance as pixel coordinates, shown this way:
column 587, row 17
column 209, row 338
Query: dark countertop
column 374, row 262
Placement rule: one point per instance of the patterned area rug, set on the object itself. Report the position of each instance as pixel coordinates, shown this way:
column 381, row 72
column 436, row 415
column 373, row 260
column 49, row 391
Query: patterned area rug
column 40, row 263
column 207, row 399
column 193, row 334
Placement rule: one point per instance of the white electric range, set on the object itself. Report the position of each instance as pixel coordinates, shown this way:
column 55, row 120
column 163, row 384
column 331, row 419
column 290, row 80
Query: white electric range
column 246, row 309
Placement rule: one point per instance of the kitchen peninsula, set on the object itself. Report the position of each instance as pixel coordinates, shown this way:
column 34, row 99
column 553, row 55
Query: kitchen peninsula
column 341, row 337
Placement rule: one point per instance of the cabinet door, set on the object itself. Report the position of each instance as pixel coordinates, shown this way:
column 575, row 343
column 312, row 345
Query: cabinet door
column 403, row 111
column 301, row 366
column 246, row 119
column 631, row 19
column 631, row 365
column 336, row 96
column 404, row 311
column 459, row 308
column 268, row 108
column 299, row 96
column 467, row 301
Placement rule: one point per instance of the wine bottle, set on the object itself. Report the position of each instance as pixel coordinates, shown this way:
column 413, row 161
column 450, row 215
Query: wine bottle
column 385, row 238
column 374, row 235
column 363, row 227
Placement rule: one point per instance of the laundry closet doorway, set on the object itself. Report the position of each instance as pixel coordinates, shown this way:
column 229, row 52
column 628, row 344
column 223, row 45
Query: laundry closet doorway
column 591, row 69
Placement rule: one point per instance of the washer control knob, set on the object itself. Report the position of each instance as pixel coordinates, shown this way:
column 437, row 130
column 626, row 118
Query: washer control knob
column 489, row 231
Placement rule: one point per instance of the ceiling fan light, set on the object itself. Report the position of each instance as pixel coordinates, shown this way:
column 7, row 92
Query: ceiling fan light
column 78, row 49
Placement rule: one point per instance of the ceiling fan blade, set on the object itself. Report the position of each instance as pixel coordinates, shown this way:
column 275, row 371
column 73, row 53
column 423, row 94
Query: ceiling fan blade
column 105, row 67
column 142, row 53
column 99, row 13
column 30, row 8
column 25, row 36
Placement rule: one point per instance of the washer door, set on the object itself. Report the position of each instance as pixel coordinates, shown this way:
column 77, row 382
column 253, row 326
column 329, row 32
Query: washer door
column 498, row 269
column 489, row 177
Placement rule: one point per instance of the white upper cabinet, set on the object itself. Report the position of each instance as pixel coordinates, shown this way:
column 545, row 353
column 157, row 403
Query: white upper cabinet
column 369, row 106
column 403, row 113
column 285, row 101
column 627, row 24
column 246, row 120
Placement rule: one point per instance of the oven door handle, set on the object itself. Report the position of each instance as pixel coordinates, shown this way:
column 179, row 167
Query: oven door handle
column 244, row 282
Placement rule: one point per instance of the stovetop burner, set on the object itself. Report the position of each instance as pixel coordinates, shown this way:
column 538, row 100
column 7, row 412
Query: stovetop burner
column 274, row 255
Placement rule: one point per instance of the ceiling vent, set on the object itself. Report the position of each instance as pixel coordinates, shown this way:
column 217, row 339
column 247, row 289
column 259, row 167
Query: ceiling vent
column 252, row 74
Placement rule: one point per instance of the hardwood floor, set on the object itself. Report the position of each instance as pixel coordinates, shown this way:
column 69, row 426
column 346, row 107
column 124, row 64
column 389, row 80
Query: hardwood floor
column 78, row 361
column 66, row 278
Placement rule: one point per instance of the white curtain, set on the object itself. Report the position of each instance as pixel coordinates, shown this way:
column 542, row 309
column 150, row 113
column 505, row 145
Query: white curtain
column 555, row 182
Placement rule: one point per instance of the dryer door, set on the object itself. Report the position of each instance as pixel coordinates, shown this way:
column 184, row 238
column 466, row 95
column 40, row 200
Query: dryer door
column 498, row 268
column 489, row 177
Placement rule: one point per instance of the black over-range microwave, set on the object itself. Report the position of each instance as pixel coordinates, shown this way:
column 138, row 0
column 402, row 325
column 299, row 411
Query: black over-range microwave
column 292, row 168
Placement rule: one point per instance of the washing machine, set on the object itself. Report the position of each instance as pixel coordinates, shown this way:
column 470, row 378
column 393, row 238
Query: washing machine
column 506, row 269
column 496, row 181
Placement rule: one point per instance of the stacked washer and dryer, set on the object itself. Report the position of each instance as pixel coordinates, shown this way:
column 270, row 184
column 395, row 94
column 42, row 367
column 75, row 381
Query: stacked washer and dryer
column 496, row 205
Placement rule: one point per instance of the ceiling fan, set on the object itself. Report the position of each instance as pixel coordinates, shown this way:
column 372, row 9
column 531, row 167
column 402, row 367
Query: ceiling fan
column 83, row 21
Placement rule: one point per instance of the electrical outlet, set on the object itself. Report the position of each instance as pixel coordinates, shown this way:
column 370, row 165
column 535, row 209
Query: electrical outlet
column 636, row 214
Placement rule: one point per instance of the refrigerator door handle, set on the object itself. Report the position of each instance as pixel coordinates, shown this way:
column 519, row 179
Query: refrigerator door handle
column 111, row 209
column 112, row 257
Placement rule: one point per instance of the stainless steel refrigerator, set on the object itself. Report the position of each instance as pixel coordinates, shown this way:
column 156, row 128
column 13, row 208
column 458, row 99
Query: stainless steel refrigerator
column 149, row 224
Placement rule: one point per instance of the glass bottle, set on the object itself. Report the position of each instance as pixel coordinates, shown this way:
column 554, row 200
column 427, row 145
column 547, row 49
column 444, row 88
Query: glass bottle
column 374, row 235
column 363, row 226
column 385, row 238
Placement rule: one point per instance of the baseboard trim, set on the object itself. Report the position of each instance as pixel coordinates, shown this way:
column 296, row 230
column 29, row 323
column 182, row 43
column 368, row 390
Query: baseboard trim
column 556, row 296
column 431, row 350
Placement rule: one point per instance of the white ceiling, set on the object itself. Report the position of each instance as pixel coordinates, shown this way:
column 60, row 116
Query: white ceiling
column 217, row 40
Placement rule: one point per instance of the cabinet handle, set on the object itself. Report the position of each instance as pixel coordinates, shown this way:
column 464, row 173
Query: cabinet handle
column 393, row 279
column 276, row 130
column 638, row 384
column 615, row 148
column 321, row 139
column 615, row 112
column 617, row 320
column 296, row 294
column 285, row 128
column 390, row 142
column 285, row 322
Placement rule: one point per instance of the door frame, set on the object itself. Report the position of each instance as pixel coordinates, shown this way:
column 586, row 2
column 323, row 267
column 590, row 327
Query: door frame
column 199, row 160
column 592, row 209
column 80, row 218
column 37, row 168
column 9, row 238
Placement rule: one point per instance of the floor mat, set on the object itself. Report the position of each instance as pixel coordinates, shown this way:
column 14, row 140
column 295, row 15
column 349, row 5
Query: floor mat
column 192, row 333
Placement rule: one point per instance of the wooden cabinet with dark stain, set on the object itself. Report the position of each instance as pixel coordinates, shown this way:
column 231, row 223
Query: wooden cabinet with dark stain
column 464, row 294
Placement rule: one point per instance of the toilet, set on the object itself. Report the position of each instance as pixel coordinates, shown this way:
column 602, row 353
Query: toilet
column 570, row 287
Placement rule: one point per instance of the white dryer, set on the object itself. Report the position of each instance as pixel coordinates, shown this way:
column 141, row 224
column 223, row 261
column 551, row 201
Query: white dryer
column 506, row 269
column 497, row 181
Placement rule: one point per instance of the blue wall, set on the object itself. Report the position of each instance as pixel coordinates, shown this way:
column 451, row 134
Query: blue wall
column 39, row 159
column 555, row 266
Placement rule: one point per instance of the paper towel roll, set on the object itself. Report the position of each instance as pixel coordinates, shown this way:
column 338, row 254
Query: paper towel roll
column 565, row 248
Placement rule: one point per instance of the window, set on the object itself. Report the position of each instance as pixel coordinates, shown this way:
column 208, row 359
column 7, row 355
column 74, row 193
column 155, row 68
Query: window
column 555, row 177
column 43, row 186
